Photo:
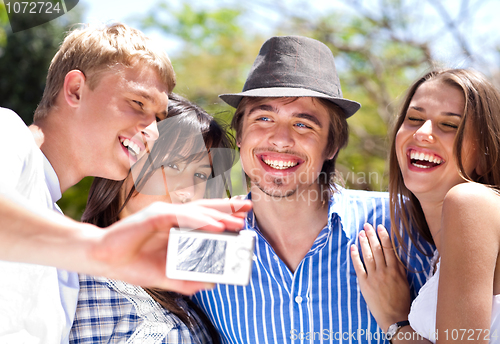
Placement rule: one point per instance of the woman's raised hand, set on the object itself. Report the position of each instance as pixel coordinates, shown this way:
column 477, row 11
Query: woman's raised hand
column 382, row 277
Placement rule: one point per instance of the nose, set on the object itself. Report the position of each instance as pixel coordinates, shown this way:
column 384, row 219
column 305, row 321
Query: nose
column 185, row 194
column 282, row 136
column 151, row 131
column 424, row 133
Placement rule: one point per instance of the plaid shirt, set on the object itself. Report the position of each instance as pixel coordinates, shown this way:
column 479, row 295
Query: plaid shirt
column 111, row 311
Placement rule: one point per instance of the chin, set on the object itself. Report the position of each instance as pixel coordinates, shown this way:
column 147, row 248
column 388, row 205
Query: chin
column 276, row 192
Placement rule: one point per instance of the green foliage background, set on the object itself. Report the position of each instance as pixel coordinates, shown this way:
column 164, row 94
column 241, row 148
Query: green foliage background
column 378, row 46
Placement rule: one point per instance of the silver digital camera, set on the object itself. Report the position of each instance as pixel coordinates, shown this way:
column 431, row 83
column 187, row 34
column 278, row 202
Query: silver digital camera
column 196, row 255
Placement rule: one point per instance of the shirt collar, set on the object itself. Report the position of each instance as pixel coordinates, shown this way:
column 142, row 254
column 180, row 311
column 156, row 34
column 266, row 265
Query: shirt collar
column 335, row 207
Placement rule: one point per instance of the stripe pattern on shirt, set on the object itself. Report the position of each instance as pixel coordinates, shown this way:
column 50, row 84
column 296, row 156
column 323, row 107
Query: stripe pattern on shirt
column 320, row 302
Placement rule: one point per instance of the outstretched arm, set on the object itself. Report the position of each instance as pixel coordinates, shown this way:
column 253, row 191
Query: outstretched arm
column 132, row 250
column 383, row 282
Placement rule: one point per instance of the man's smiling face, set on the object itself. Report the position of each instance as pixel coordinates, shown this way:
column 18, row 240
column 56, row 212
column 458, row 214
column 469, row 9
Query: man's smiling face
column 283, row 143
column 118, row 118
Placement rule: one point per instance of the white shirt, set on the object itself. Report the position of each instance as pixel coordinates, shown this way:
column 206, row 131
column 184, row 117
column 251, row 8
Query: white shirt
column 37, row 303
column 422, row 315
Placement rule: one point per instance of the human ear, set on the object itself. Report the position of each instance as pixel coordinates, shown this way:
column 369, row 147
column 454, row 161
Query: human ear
column 72, row 87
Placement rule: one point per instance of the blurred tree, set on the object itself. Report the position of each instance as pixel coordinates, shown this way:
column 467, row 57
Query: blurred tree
column 217, row 51
column 24, row 60
column 380, row 47
column 4, row 21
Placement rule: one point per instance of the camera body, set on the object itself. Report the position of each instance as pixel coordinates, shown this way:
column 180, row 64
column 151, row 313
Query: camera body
column 196, row 255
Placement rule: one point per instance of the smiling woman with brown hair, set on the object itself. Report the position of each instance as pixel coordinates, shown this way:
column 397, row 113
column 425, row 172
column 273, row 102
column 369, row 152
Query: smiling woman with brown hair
column 444, row 185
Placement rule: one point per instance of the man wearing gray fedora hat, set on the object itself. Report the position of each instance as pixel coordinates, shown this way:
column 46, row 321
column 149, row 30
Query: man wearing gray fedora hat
column 290, row 122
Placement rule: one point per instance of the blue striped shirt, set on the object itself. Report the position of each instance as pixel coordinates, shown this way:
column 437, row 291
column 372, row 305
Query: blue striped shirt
column 321, row 301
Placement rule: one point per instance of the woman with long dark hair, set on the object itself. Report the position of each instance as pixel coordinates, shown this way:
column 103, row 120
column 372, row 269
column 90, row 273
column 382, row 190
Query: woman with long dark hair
column 187, row 162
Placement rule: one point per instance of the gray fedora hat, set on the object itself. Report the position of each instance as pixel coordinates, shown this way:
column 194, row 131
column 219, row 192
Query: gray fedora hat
column 294, row 66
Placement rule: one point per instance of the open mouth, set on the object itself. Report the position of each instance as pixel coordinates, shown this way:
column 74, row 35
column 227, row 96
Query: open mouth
column 132, row 147
column 280, row 164
column 424, row 160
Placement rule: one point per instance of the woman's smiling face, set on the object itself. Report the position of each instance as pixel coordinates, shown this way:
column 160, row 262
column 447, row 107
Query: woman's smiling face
column 174, row 182
column 424, row 142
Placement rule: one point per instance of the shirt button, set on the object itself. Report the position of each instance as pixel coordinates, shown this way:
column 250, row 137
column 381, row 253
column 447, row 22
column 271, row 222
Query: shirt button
column 276, row 258
column 298, row 299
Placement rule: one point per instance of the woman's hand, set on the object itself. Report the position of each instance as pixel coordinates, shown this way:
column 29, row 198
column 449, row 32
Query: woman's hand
column 382, row 278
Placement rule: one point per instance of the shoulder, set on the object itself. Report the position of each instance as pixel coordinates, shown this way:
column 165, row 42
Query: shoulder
column 471, row 196
column 342, row 193
column 356, row 202
column 346, row 201
column 471, row 209
column 13, row 127
column 8, row 116
column 99, row 311
column 356, row 207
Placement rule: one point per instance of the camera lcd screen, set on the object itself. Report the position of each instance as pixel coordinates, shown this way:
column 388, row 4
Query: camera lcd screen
column 201, row 255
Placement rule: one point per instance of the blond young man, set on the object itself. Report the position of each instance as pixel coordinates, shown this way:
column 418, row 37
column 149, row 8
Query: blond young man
column 106, row 88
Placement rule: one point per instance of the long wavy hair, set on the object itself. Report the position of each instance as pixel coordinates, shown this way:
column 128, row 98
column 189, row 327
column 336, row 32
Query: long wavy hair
column 481, row 115
column 179, row 136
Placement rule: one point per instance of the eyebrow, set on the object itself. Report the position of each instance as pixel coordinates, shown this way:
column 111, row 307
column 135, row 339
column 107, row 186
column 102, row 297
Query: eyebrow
column 303, row 115
column 452, row 114
column 146, row 96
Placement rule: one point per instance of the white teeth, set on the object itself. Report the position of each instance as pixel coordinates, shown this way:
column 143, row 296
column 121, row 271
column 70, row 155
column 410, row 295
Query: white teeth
column 280, row 165
column 421, row 166
column 133, row 148
column 425, row 157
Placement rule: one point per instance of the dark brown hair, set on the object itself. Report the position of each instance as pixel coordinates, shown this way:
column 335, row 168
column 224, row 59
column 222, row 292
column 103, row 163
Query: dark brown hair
column 338, row 134
column 481, row 115
column 105, row 202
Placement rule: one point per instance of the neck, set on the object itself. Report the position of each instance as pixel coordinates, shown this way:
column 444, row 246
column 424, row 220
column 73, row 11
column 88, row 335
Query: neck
column 291, row 225
column 432, row 209
column 56, row 143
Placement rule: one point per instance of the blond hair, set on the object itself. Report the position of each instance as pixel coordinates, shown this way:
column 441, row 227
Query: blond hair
column 96, row 49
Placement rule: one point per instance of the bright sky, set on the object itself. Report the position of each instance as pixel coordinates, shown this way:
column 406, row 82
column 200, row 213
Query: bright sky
column 130, row 12
column 125, row 11
column 485, row 29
